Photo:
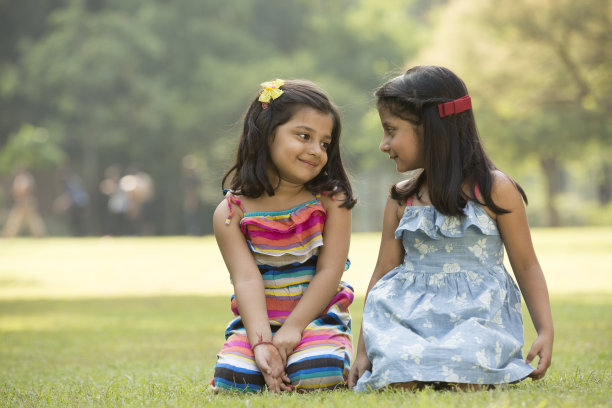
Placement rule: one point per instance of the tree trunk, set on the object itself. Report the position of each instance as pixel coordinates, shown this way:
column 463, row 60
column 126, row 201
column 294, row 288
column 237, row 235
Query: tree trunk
column 604, row 185
column 91, row 179
column 550, row 167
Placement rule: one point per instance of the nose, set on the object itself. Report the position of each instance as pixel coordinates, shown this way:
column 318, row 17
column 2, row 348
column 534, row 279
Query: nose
column 384, row 145
column 315, row 148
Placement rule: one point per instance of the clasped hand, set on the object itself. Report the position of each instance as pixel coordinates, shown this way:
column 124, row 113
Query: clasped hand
column 272, row 358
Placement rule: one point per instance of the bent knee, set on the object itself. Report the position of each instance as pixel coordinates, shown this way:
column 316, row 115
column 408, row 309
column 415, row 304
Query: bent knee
column 233, row 379
column 306, row 376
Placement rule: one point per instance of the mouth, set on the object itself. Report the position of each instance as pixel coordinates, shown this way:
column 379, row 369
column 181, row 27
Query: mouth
column 309, row 163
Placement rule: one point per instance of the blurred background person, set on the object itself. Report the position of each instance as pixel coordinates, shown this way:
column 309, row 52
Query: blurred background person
column 139, row 188
column 25, row 207
column 117, row 204
column 73, row 202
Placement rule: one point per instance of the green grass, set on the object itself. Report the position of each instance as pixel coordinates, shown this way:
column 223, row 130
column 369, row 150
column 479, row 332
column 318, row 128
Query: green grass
column 574, row 260
column 144, row 345
column 160, row 351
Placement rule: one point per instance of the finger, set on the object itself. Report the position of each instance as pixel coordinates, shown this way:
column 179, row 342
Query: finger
column 536, row 375
column 543, row 365
column 351, row 378
column 286, row 387
column 283, row 354
column 531, row 355
column 286, row 378
column 265, row 368
column 272, row 383
column 539, row 371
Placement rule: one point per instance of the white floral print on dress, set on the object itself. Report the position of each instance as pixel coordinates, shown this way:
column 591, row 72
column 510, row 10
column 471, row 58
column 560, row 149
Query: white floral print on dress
column 423, row 248
column 451, row 225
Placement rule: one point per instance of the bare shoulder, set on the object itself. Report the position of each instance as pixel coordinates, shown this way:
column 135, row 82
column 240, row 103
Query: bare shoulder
column 504, row 191
column 223, row 212
column 394, row 210
column 220, row 214
column 404, row 184
column 332, row 202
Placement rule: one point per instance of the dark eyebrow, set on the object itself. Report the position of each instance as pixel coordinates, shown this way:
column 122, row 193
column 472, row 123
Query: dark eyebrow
column 309, row 129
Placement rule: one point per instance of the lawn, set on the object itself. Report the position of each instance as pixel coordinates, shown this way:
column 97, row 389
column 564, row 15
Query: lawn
column 137, row 322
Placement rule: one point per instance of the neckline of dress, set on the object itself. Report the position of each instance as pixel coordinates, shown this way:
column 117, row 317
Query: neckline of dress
column 283, row 212
column 472, row 202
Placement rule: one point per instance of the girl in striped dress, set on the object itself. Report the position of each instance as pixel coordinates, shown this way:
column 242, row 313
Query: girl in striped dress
column 283, row 230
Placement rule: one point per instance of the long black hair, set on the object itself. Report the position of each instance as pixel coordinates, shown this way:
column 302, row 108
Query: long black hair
column 249, row 173
column 452, row 149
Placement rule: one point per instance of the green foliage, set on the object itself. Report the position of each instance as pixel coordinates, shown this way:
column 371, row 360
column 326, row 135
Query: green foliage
column 131, row 82
column 31, row 148
column 148, row 82
column 539, row 72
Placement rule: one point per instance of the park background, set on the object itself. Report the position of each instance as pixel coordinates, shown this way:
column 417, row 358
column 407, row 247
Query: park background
column 161, row 87
column 114, row 318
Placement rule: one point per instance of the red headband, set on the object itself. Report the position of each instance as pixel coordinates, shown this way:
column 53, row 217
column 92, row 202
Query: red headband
column 456, row 106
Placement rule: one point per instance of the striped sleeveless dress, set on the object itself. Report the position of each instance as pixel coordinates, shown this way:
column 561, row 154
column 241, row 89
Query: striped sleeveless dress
column 285, row 245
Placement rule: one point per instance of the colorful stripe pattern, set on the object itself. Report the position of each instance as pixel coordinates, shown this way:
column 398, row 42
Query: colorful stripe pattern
column 285, row 245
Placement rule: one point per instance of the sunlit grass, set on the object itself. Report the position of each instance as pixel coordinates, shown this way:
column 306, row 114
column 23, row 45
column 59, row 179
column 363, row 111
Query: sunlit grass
column 99, row 322
column 160, row 351
column 575, row 260
column 107, row 266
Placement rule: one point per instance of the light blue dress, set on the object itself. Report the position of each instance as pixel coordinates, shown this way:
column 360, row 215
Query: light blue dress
column 450, row 312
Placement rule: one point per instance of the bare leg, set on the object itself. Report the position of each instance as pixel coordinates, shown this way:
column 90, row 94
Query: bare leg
column 14, row 221
column 408, row 386
column 465, row 387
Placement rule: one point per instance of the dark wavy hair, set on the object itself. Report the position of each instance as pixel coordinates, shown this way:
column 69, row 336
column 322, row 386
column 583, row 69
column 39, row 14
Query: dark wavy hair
column 249, row 173
column 452, row 149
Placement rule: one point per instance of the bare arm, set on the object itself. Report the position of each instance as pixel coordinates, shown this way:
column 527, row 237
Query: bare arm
column 324, row 285
column 515, row 233
column 390, row 255
column 250, row 296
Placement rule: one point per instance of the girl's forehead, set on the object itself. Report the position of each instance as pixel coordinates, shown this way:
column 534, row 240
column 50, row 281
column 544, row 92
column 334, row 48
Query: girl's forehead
column 305, row 110
column 388, row 112
column 307, row 115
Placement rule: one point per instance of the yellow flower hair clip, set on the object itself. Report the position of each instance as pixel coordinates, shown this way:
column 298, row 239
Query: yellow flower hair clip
column 271, row 90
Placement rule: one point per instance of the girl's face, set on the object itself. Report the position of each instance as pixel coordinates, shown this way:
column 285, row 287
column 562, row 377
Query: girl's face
column 299, row 146
column 402, row 141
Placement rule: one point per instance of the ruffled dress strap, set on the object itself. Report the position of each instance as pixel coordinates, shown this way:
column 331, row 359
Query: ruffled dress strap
column 232, row 199
column 437, row 225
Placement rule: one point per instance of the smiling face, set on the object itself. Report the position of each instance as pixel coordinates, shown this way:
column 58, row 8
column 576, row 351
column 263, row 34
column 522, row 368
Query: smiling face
column 299, row 146
column 402, row 141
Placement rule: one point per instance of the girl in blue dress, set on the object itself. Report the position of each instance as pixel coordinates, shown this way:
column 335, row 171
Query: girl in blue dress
column 441, row 308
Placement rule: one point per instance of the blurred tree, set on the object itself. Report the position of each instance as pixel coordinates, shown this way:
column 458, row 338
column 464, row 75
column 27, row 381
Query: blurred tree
column 148, row 82
column 31, row 148
column 542, row 71
column 21, row 22
column 86, row 77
